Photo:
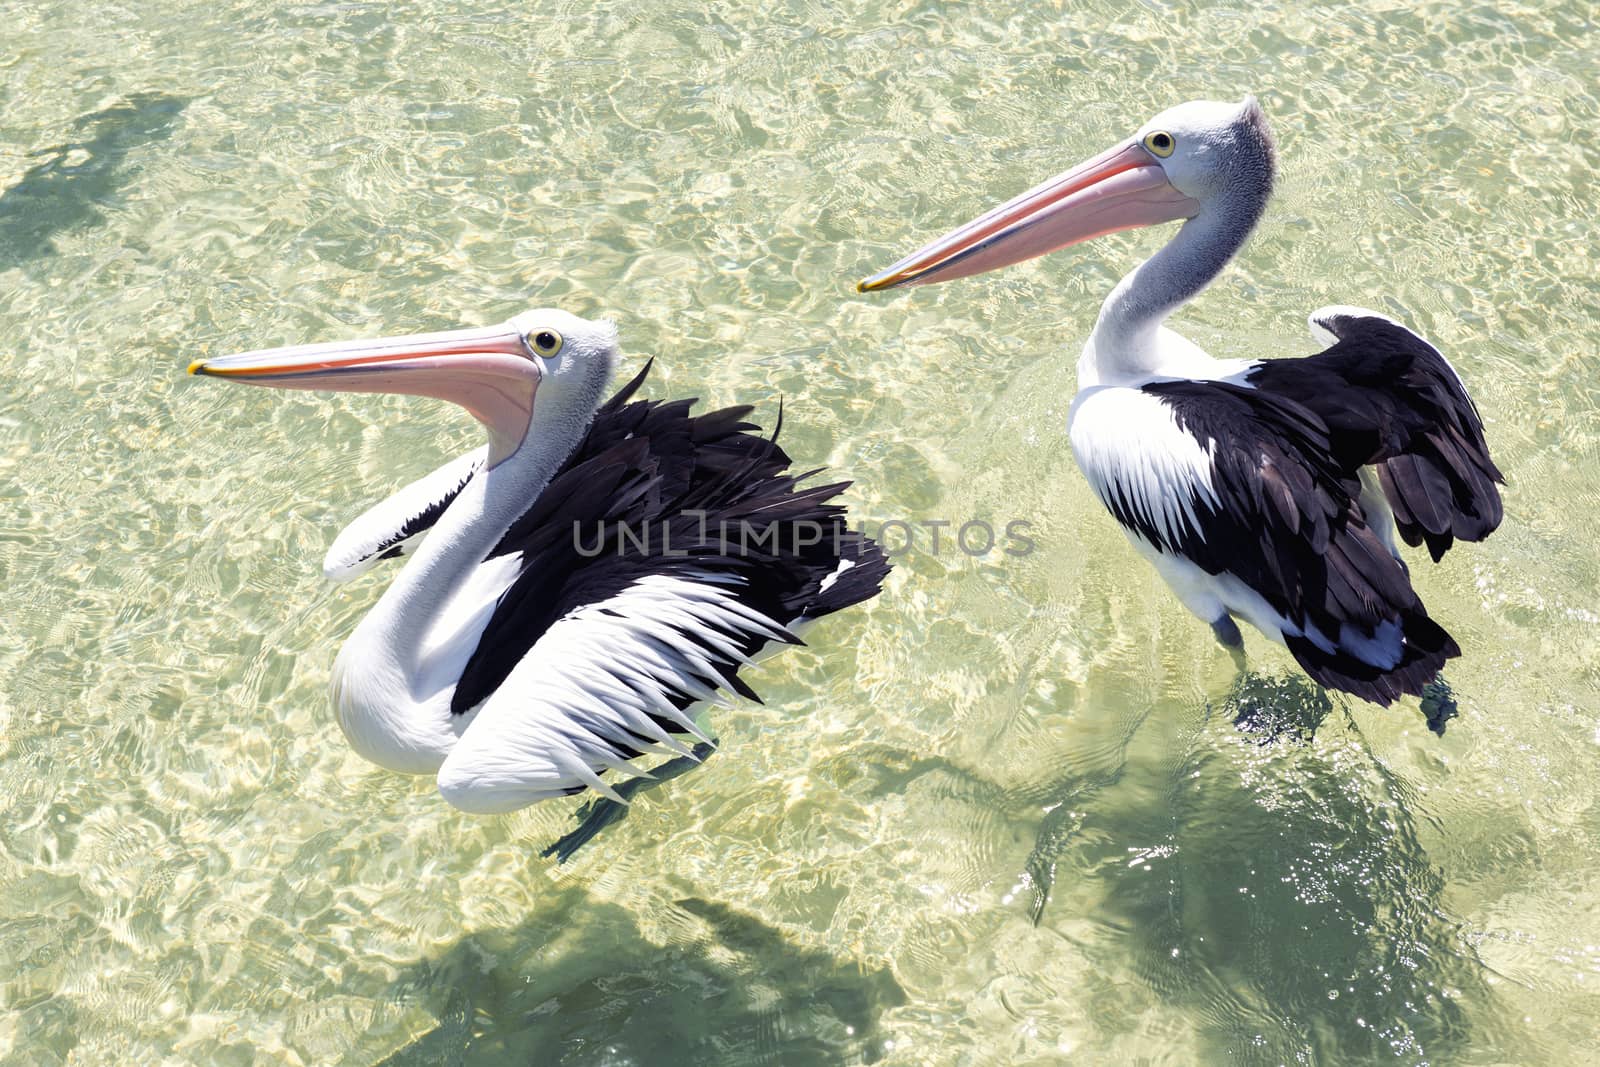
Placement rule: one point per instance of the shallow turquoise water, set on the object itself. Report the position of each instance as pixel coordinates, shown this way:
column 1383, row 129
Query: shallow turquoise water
column 1001, row 816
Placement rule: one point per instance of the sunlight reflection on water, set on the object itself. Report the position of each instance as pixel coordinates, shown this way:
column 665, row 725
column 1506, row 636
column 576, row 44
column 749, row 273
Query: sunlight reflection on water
column 999, row 816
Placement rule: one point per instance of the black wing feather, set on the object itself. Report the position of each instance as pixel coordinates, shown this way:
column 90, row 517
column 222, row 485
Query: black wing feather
column 1389, row 398
column 393, row 546
column 654, row 490
column 1286, row 521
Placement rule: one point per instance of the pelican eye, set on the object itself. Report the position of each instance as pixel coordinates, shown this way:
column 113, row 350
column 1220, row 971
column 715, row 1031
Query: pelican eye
column 1160, row 143
column 545, row 342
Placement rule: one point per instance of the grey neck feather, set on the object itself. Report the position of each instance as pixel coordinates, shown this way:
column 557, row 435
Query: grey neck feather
column 1124, row 343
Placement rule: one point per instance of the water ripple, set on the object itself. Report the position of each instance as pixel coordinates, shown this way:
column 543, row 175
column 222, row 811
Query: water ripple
column 1001, row 815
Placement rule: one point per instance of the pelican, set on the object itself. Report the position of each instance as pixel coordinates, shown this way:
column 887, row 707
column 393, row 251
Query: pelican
column 578, row 586
column 1267, row 491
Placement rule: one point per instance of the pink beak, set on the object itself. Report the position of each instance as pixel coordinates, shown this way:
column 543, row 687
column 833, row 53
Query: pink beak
column 1116, row 190
column 490, row 371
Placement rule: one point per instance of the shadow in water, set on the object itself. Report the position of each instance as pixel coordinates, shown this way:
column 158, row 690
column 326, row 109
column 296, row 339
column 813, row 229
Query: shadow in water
column 66, row 189
column 1270, row 886
column 1293, row 706
column 580, row 983
column 1277, row 708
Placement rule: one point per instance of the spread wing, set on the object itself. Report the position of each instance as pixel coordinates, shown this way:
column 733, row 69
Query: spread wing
column 1389, row 398
column 394, row 527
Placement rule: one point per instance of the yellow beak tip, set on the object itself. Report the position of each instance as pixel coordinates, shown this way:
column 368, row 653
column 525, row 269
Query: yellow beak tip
column 197, row 367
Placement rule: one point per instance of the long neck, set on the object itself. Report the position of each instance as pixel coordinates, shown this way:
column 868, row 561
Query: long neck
column 405, row 618
column 1125, row 342
column 396, row 673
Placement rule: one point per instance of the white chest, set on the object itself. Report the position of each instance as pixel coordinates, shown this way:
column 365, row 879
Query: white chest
column 1141, row 464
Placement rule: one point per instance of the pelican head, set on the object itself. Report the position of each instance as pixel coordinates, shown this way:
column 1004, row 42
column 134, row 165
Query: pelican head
column 494, row 372
column 1181, row 164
